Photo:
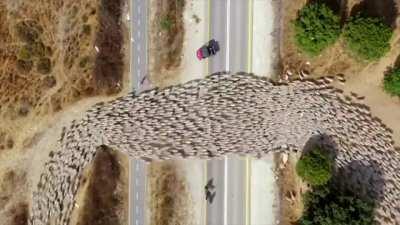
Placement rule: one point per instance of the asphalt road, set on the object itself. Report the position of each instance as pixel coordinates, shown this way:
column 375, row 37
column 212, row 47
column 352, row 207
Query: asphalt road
column 238, row 36
column 229, row 20
column 137, row 192
column 215, row 213
column 237, row 189
column 230, row 25
column 139, row 43
column 218, row 12
column 139, row 72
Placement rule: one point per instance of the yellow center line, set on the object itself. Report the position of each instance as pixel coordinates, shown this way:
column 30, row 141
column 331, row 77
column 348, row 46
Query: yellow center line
column 250, row 38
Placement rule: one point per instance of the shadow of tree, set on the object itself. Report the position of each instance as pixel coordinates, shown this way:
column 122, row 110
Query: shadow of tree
column 323, row 141
column 339, row 7
column 361, row 178
column 385, row 9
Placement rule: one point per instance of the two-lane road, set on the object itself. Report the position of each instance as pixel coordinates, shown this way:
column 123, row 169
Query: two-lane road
column 231, row 26
column 218, row 29
column 138, row 10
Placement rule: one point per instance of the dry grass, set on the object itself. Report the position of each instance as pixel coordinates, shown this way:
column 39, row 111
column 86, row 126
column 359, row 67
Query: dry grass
column 47, row 62
column 48, row 59
column 291, row 189
column 19, row 214
column 13, row 206
column 169, row 202
column 166, row 40
column 104, row 198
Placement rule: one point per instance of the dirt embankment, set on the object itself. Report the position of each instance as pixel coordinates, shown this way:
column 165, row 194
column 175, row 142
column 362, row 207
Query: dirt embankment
column 108, row 69
column 364, row 79
column 291, row 189
column 166, row 40
column 169, row 200
column 52, row 54
column 48, row 59
column 13, row 197
column 103, row 196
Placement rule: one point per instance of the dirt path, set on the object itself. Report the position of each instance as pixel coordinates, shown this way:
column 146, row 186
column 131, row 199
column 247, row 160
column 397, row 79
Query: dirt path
column 368, row 83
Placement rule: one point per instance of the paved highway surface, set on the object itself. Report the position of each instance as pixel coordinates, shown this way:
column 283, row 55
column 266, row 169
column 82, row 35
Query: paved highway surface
column 139, row 71
column 215, row 213
column 218, row 31
column 238, row 35
column 230, row 25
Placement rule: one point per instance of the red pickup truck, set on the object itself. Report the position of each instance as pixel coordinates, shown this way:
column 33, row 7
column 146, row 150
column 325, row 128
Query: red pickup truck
column 207, row 50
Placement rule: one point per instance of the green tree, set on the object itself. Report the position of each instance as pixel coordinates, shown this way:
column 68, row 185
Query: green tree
column 326, row 205
column 315, row 167
column 369, row 38
column 316, row 28
column 391, row 82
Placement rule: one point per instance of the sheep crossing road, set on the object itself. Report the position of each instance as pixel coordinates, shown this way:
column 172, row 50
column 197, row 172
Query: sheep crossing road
column 224, row 114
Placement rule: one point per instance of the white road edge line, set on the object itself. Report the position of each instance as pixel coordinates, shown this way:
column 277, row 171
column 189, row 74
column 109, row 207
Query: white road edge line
column 226, row 190
column 228, row 10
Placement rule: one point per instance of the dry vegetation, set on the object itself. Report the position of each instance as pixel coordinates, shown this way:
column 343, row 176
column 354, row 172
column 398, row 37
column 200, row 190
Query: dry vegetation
column 363, row 78
column 291, row 189
column 169, row 201
column 166, row 40
column 48, row 59
column 47, row 62
column 13, row 198
column 103, row 197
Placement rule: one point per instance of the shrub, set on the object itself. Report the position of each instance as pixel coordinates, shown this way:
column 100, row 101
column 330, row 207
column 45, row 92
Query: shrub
column 28, row 31
column 44, row 65
column 38, row 49
column 86, row 29
column 327, row 206
column 24, row 66
column 367, row 37
column 316, row 28
column 25, row 52
column 315, row 167
column 84, row 61
column 166, row 23
column 391, row 82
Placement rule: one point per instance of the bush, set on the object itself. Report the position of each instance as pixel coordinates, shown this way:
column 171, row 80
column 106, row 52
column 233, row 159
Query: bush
column 86, row 29
column 368, row 37
column 38, row 49
column 25, row 53
column 24, row 66
column 28, row 31
column 166, row 23
column 315, row 167
column 327, row 206
column 44, row 65
column 391, row 82
column 84, row 61
column 316, row 28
